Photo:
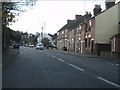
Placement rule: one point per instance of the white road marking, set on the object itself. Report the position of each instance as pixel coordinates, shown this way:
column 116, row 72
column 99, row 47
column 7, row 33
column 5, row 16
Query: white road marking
column 60, row 59
column 108, row 81
column 76, row 67
column 48, row 54
column 109, row 63
column 117, row 64
column 53, row 56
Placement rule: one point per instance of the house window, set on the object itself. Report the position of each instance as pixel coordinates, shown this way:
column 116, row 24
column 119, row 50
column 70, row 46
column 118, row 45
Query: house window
column 62, row 32
column 89, row 42
column 89, row 28
column 58, row 33
column 85, row 42
column 90, row 23
column 77, row 30
column 80, row 27
column 86, row 27
column 66, row 31
column 77, row 44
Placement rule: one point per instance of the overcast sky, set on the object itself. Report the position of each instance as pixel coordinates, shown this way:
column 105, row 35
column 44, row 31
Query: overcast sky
column 53, row 15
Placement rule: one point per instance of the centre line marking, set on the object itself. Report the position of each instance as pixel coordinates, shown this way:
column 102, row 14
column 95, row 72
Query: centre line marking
column 53, row 56
column 77, row 67
column 108, row 81
column 47, row 53
column 60, row 59
column 111, row 63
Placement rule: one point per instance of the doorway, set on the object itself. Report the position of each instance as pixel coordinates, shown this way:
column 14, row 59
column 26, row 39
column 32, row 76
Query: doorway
column 92, row 46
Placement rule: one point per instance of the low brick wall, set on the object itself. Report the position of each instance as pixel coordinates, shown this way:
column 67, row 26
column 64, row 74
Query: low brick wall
column 111, row 55
column 106, row 54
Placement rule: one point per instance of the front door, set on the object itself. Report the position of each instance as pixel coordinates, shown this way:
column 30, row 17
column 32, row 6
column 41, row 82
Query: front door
column 81, row 47
column 92, row 46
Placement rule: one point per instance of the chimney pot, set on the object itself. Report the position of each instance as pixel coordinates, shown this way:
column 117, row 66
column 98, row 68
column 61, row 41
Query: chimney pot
column 97, row 10
column 109, row 3
column 69, row 21
column 78, row 17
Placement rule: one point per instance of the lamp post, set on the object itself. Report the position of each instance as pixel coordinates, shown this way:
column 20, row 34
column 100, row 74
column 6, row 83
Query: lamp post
column 42, row 33
column 43, row 29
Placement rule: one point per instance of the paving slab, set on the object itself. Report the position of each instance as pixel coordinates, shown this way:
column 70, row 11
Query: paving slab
column 9, row 55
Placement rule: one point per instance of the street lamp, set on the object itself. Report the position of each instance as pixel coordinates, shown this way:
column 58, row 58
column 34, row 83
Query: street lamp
column 42, row 32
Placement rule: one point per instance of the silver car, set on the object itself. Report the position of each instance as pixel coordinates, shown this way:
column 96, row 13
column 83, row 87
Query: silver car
column 40, row 47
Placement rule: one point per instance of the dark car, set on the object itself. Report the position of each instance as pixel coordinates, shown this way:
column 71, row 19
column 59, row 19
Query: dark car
column 64, row 48
column 16, row 46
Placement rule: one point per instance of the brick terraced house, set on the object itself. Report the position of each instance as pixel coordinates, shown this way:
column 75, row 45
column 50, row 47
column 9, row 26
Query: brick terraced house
column 91, row 35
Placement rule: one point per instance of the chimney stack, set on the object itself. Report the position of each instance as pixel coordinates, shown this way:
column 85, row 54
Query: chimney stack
column 97, row 10
column 87, row 15
column 109, row 3
column 69, row 21
column 78, row 17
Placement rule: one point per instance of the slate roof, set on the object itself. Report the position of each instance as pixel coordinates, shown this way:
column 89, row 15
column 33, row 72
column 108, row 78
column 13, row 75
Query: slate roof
column 75, row 23
column 67, row 26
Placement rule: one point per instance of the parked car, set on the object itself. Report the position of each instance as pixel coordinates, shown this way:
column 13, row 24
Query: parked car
column 51, row 46
column 26, row 45
column 40, row 47
column 31, row 45
column 64, row 48
column 16, row 46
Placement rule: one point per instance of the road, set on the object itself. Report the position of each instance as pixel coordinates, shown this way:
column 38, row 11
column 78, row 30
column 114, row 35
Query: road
column 51, row 69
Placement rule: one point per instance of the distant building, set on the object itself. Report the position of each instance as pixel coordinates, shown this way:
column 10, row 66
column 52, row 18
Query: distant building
column 39, row 39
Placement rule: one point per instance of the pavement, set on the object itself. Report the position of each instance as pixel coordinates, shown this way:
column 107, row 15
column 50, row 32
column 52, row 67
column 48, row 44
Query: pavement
column 9, row 55
column 107, row 59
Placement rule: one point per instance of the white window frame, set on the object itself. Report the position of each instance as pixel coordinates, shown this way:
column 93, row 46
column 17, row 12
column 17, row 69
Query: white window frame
column 62, row 32
column 90, row 23
column 57, row 33
column 80, row 27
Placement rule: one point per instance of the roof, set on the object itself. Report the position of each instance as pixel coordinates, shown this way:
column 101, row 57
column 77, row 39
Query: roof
column 75, row 23
column 66, row 26
column 88, row 19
